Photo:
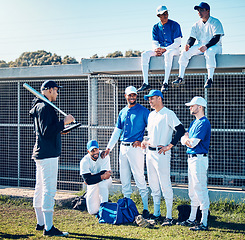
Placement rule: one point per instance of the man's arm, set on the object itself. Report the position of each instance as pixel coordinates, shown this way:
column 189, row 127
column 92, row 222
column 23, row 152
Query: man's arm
column 189, row 142
column 113, row 140
column 96, row 178
column 180, row 131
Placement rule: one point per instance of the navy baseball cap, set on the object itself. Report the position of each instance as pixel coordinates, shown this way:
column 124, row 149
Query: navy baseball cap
column 153, row 93
column 49, row 84
column 92, row 144
column 202, row 5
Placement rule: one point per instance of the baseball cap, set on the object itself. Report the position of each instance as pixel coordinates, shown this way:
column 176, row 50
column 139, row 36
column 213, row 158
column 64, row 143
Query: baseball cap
column 130, row 90
column 197, row 100
column 153, row 93
column 92, row 144
column 161, row 10
column 49, row 84
column 202, row 5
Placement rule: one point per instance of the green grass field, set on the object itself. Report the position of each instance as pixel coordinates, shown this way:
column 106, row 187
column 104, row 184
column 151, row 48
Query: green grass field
column 18, row 221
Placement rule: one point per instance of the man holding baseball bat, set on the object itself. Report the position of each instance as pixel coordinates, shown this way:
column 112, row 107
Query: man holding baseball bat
column 46, row 152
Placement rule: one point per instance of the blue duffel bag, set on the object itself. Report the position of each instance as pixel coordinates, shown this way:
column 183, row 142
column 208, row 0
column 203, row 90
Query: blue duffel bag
column 124, row 211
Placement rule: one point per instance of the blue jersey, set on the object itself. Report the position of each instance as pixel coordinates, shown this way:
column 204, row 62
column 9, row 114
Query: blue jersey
column 133, row 122
column 201, row 129
column 166, row 34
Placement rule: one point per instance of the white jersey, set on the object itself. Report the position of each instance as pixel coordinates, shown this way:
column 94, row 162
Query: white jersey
column 204, row 32
column 161, row 126
column 88, row 165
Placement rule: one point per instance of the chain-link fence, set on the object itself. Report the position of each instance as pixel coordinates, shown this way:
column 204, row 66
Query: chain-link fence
column 95, row 101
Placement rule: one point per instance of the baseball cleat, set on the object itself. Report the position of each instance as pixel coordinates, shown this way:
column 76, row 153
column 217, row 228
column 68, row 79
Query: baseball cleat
column 164, row 87
column 200, row 227
column 178, row 81
column 144, row 87
column 146, row 214
column 208, row 83
column 188, row 223
column 167, row 222
column 39, row 227
column 55, row 232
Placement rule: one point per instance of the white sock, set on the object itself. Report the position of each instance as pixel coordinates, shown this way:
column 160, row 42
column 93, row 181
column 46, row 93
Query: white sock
column 169, row 210
column 145, row 202
column 204, row 219
column 181, row 71
column 157, row 211
column 211, row 73
column 145, row 69
column 48, row 219
column 39, row 216
column 193, row 213
column 167, row 74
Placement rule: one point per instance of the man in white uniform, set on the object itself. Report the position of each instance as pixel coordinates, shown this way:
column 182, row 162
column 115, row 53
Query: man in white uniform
column 166, row 40
column 161, row 124
column 97, row 175
column 130, row 128
column 208, row 32
column 197, row 140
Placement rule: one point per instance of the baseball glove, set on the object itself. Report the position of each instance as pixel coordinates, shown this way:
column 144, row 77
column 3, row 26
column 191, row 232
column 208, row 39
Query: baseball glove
column 141, row 222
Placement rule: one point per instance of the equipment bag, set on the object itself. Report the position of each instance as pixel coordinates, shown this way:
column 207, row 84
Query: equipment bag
column 79, row 203
column 124, row 211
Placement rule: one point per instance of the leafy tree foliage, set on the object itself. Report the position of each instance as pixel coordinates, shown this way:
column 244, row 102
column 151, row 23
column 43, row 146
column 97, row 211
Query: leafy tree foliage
column 131, row 53
column 115, row 54
column 3, row 64
column 39, row 58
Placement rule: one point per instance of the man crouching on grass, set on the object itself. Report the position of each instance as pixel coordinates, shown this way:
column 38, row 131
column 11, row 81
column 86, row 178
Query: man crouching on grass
column 97, row 175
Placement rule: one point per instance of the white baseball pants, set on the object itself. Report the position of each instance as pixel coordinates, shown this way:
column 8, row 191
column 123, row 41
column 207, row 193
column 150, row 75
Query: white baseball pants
column 197, row 181
column 158, row 171
column 209, row 55
column 97, row 194
column 132, row 160
column 46, row 183
column 168, row 59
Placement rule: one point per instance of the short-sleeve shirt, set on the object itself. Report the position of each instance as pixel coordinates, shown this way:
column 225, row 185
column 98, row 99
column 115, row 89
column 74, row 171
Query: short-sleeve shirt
column 204, row 32
column 161, row 125
column 201, row 129
column 88, row 165
column 133, row 122
column 166, row 34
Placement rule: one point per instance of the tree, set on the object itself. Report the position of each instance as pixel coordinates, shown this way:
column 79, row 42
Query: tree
column 115, row 54
column 95, row 56
column 38, row 58
column 3, row 64
column 131, row 53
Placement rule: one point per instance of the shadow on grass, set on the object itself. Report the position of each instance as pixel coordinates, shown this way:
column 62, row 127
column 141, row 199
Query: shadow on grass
column 230, row 227
column 16, row 236
column 94, row 237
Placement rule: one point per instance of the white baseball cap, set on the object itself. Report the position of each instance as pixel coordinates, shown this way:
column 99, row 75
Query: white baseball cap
column 197, row 100
column 130, row 89
column 161, row 10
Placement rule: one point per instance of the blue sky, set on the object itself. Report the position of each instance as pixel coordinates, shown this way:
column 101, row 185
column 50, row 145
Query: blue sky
column 81, row 28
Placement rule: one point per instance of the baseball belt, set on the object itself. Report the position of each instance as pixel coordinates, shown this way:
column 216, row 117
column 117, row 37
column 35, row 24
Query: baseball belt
column 195, row 155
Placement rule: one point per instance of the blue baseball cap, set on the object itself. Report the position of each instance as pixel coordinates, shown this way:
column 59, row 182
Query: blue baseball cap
column 92, row 144
column 202, row 5
column 153, row 93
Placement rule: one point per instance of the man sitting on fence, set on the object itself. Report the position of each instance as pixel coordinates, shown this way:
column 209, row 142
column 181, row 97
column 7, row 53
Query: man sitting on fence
column 97, row 175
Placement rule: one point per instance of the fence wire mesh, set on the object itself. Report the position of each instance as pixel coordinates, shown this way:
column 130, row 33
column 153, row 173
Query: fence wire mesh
column 95, row 101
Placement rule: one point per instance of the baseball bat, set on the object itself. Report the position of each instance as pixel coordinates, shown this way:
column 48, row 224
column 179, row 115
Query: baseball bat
column 40, row 96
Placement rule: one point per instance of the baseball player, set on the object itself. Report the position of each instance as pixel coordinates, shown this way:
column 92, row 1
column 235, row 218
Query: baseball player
column 166, row 40
column 46, row 152
column 97, row 175
column 197, row 140
column 130, row 125
column 162, row 122
column 208, row 32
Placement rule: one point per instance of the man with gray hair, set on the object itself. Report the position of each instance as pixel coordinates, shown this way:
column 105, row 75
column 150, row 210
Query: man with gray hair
column 197, row 140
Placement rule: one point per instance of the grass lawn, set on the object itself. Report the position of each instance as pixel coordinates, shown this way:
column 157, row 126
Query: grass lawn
column 18, row 221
